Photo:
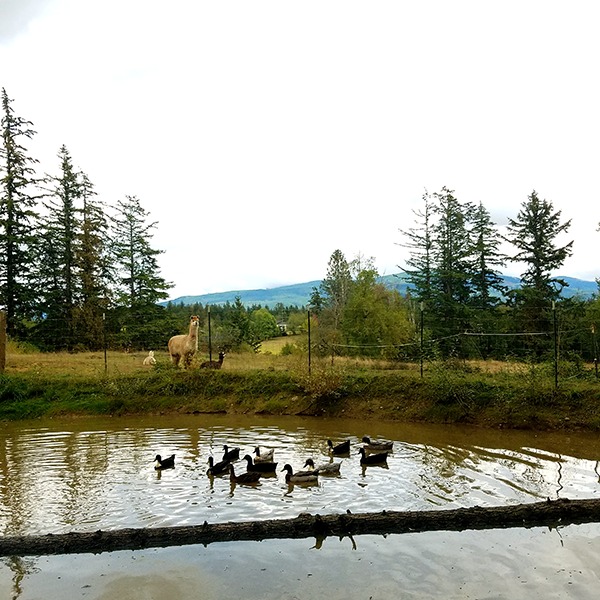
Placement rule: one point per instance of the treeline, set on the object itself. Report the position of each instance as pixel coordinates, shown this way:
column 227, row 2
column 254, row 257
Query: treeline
column 77, row 273
column 458, row 305
column 73, row 270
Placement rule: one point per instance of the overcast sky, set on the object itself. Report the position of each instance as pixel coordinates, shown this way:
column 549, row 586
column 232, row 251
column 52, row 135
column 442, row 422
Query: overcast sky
column 263, row 135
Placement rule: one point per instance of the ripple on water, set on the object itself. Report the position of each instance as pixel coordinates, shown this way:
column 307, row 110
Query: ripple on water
column 64, row 479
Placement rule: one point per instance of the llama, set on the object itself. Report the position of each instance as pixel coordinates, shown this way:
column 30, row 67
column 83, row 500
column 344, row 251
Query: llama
column 150, row 360
column 185, row 346
column 213, row 364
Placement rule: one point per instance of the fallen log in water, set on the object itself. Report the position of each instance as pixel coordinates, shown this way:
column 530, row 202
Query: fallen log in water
column 549, row 513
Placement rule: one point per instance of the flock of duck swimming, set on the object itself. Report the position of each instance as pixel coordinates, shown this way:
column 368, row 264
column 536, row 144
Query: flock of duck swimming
column 372, row 452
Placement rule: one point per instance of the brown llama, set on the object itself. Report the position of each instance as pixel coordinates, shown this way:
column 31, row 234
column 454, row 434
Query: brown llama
column 185, row 346
column 213, row 364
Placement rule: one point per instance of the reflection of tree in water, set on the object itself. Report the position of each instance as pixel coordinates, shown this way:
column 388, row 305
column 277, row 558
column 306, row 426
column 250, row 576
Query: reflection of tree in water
column 449, row 472
column 20, row 567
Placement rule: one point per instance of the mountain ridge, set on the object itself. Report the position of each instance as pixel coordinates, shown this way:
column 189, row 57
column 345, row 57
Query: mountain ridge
column 298, row 294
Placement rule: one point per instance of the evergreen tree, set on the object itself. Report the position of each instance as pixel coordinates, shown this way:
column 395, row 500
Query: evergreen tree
column 534, row 234
column 94, row 268
column 57, row 268
column 452, row 249
column 139, row 283
column 336, row 285
column 17, row 217
column 486, row 281
column 419, row 265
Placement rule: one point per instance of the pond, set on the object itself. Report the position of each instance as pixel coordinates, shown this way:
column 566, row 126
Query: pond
column 86, row 474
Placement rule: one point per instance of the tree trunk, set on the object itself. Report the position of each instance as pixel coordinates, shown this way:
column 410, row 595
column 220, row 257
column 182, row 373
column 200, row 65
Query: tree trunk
column 539, row 514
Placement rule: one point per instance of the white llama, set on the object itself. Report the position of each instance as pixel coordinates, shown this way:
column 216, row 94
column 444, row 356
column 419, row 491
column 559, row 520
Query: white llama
column 150, row 360
column 185, row 346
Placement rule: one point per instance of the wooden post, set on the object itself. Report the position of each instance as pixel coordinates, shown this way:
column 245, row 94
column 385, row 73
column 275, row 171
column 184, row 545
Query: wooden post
column 421, row 327
column 2, row 341
column 104, row 343
column 209, row 336
column 309, row 343
column 555, row 345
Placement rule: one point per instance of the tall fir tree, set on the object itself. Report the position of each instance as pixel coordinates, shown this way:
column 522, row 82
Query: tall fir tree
column 18, row 199
column 139, row 283
column 419, row 265
column 534, row 233
column 486, row 281
column 336, row 285
column 94, row 268
column 57, row 265
column 137, row 321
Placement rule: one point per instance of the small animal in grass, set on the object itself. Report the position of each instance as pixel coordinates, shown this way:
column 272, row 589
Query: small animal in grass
column 377, row 445
column 219, row 468
column 150, row 360
column 332, row 468
column 263, row 455
column 249, row 477
column 372, row 459
column 164, row 463
column 213, row 364
column 230, row 454
column 260, row 467
column 300, row 476
column 341, row 448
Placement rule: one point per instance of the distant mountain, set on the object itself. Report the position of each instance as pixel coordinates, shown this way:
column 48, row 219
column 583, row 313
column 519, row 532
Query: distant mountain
column 299, row 294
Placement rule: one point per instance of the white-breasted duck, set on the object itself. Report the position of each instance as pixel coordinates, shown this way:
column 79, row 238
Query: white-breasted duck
column 264, row 455
column 341, row 448
column 372, row 459
column 332, row 468
column 164, row 463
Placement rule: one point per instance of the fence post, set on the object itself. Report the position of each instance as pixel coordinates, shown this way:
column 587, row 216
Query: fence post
column 555, row 344
column 2, row 341
column 309, row 357
column 209, row 335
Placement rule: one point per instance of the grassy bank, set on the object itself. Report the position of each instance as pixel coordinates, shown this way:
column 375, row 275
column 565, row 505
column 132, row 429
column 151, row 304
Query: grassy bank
column 486, row 394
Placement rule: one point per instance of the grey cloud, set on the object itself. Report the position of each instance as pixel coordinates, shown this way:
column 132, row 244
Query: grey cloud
column 15, row 16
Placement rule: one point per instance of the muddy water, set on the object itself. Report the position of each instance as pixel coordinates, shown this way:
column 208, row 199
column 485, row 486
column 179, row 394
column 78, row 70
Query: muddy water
column 86, row 474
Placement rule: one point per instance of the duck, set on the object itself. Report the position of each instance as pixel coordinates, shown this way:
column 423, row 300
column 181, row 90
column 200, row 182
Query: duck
column 231, row 455
column 260, row 467
column 219, row 468
column 377, row 445
column 300, row 476
column 265, row 456
column 166, row 463
column 332, row 468
column 342, row 448
column 249, row 477
column 372, row 459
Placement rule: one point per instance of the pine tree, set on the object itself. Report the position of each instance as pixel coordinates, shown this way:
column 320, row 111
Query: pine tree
column 486, row 281
column 58, row 272
column 534, row 234
column 17, row 216
column 93, row 267
column 419, row 265
column 336, row 285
